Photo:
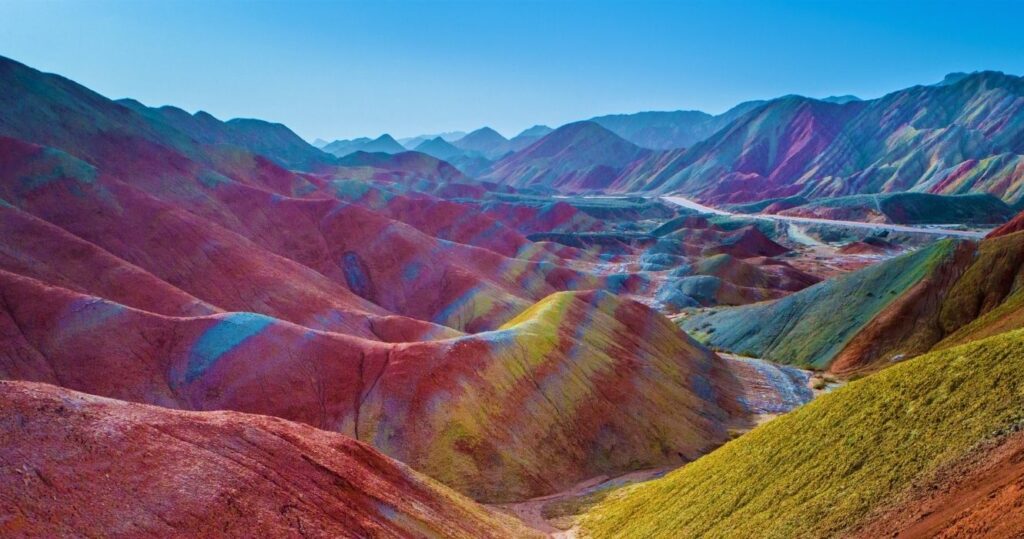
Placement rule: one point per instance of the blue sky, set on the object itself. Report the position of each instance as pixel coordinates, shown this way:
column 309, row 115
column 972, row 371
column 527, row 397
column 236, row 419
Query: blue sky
column 343, row 69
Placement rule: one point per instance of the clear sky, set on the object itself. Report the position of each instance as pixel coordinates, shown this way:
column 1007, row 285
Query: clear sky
column 343, row 69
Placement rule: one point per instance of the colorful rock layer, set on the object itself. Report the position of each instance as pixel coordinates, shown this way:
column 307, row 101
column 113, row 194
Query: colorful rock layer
column 576, row 386
column 88, row 466
column 159, row 257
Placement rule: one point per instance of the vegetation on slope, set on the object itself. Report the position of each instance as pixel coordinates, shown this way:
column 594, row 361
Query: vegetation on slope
column 811, row 326
column 823, row 468
column 989, row 298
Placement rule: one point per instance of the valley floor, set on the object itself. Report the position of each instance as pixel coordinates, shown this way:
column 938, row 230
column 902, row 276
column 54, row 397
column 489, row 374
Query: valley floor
column 771, row 390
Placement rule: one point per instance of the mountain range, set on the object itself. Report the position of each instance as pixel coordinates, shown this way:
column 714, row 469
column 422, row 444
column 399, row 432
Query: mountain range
column 154, row 257
column 214, row 328
column 961, row 136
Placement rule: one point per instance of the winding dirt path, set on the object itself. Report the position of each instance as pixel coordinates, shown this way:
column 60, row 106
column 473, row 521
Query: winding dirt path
column 531, row 511
column 934, row 230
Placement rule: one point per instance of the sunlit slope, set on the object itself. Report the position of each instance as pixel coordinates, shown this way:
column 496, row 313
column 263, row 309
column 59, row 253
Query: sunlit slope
column 822, row 469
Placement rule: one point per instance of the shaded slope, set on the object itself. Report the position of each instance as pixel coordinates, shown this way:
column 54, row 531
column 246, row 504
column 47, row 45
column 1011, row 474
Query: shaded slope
column 1013, row 225
column 989, row 298
column 409, row 164
column 528, row 136
column 94, row 466
column 659, row 130
column 822, row 469
column 667, row 130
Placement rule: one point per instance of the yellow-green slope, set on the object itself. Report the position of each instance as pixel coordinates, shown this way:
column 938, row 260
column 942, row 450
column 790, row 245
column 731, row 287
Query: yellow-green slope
column 822, row 468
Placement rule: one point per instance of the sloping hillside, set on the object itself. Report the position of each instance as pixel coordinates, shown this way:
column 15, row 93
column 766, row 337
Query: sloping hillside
column 438, row 147
column 824, row 468
column 937, row 297
column 257, row 136
column 528, row 136
column 975, row 495
column 813, row 326
column 94, row 466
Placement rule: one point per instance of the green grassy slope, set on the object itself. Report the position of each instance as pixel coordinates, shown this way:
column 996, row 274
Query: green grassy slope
column 821, row 469
column 811, row 326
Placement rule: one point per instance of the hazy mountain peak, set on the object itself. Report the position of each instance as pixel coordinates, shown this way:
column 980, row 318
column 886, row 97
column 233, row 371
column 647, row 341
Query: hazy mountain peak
column 535, row 131
column 486, row 142
column 438, row 147
column 841, row 99
column 483, row 134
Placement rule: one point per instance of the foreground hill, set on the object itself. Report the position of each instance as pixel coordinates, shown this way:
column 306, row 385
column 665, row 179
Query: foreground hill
column 93, row 466
column 827, row 468
column 579, row 385
column 957, row 138
column 975, row 495
column 945, row 294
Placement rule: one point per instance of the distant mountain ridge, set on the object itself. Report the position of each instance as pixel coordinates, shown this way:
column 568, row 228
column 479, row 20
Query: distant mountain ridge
column 382, row 144
column 486, row 142
column 962, row 135
column 412, row 142
column 577, row 156
column 439, row 148
column 955, row 138
column 670, row 130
